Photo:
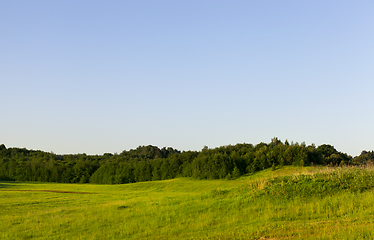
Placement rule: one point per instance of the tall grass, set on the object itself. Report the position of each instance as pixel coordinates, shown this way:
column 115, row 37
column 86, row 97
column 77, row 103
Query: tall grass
column 289, row 203
column 320, row 182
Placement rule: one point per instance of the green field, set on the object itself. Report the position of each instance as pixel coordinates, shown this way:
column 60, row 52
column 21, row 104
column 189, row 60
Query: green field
column 288, row 203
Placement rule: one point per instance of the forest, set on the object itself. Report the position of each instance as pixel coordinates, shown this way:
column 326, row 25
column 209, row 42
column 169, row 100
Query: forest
column 149, row 163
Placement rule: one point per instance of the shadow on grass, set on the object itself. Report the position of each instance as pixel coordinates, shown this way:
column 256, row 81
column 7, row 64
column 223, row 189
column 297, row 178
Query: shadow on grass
column 6, row 184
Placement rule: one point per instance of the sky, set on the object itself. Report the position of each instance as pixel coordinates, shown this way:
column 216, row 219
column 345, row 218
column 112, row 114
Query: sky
column 106, row 76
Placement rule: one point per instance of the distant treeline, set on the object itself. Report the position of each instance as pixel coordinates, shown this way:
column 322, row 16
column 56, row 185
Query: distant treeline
column 148, row 163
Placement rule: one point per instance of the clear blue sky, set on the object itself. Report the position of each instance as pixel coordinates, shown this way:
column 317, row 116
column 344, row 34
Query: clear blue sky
column 107, row 76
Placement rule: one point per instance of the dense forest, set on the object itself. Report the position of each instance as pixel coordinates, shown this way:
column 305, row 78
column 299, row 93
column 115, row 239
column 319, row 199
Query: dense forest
column 147, row 163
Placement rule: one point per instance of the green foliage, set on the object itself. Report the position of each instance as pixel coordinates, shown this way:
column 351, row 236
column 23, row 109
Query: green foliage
column 364, row 158
column 149, row 163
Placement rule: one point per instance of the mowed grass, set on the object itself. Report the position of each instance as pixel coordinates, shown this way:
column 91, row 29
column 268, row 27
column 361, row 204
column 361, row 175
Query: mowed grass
column 289, row 203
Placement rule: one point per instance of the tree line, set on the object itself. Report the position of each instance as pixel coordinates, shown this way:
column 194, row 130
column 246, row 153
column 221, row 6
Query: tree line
column 149, row 163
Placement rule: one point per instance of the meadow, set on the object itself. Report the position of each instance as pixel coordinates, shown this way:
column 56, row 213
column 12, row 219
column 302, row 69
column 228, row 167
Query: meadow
column 286, row 203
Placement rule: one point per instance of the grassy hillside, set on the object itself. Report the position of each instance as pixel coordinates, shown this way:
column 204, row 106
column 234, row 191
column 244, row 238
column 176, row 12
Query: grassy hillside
column 288, row 203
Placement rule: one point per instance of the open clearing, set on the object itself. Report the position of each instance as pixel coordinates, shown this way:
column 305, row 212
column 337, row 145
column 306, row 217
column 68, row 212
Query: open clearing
column 245, row 208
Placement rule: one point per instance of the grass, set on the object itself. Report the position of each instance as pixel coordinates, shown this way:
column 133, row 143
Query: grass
column 289, row 203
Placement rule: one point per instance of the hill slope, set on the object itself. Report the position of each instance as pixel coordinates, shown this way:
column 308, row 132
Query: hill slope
column 288, row 203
